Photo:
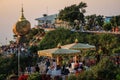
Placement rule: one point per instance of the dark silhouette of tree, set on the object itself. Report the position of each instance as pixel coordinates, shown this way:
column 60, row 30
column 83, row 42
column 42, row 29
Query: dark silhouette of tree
column 73, row 12
column 93, row 20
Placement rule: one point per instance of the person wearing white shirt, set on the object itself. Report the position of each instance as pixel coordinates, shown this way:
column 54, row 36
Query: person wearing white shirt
column 54, row 64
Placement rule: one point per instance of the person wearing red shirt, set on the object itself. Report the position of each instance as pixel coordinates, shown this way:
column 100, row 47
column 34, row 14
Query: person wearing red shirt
column 23, row 77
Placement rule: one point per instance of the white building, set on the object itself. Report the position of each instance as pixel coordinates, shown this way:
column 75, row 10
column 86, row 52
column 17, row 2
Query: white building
column 48, row 19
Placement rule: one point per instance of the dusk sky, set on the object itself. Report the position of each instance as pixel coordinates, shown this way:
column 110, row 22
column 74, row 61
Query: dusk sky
column 10, row 11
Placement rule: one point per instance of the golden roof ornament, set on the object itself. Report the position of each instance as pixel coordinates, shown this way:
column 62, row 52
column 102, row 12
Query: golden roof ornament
column 22, row 18
column 59, row 45
column 76, row 40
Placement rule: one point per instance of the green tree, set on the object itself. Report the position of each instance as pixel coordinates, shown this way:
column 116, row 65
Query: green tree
column 31, row 36
column 93, row 20
column 105, row 69
column 93, row 39
column 52, row 38
column 107, row 26
column 7, row 66
column 73, row 12
column 90, row 20
column 100, row 20
column 108, row 43
column 115, row 21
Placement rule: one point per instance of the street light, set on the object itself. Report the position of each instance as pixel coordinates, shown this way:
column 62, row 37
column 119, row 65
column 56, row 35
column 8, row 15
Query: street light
column 20, row 50
column 18, row 61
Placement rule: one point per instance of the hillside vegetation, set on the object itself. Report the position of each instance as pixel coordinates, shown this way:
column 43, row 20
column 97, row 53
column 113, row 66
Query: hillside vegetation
column 105, row 43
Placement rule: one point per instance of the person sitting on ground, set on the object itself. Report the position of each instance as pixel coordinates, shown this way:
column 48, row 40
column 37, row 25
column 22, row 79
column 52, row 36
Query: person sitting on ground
column 49, row 72
column 65, row 71
column 76, row 65
column 57, row 71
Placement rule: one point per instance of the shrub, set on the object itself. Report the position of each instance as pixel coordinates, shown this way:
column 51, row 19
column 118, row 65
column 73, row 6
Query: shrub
column 107, row 26
column 87, row 75
column 35, row 76
column 116, row 50
column 105, row 69
column 72, row 77
column 2, row 76
column 118, row 77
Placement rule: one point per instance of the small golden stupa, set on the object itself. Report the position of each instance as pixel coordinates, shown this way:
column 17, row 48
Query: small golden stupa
column 22, row 27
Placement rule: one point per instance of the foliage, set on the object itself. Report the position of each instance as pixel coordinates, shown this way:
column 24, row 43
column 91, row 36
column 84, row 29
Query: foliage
column 89, row 53
column 35, row 76
column 115, row 21
column 87, row 75
column 107, row 26
column 93, row 20
column 33, row 49
column 116, row 50
column 103, row 42
column 73, row 12
column 93, row 39
column 99, row 20
column 72, row 77
column 62, row 36
column 105, row 69
column 118, row 76
column 8, row 65
column 87, row 27
column 52, row 38
column 107, row 43
column 2, row 76
column 32, row 33
column 12, row 76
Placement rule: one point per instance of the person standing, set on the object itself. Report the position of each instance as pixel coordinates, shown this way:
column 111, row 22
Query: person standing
column 47, row 64
column 29, row 69
column 54, row 64
column 37, row 69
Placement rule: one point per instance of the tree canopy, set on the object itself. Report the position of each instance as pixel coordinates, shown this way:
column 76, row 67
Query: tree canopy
column 94, row 20
column 73, row 12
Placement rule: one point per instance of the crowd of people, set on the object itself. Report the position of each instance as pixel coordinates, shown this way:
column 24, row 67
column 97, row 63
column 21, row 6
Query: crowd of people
column 14, row 48
column 50, row 67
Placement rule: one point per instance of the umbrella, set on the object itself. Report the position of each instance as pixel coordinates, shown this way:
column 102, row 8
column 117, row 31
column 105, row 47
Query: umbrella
column 57, row 52
column 79, row 46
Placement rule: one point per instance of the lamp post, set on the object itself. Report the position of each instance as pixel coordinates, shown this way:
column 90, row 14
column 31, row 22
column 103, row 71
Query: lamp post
column 18, row 61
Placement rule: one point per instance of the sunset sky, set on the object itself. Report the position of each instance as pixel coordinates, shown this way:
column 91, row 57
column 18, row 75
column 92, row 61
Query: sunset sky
column 10, row 11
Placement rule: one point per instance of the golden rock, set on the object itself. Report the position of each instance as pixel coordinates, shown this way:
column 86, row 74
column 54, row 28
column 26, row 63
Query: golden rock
column 22, row 27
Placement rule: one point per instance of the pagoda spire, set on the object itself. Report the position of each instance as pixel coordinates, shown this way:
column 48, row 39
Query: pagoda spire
column 22, row 18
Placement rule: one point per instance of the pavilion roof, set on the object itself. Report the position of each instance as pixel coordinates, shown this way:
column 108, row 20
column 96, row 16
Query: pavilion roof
column 78, row 46
column 58, row 52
